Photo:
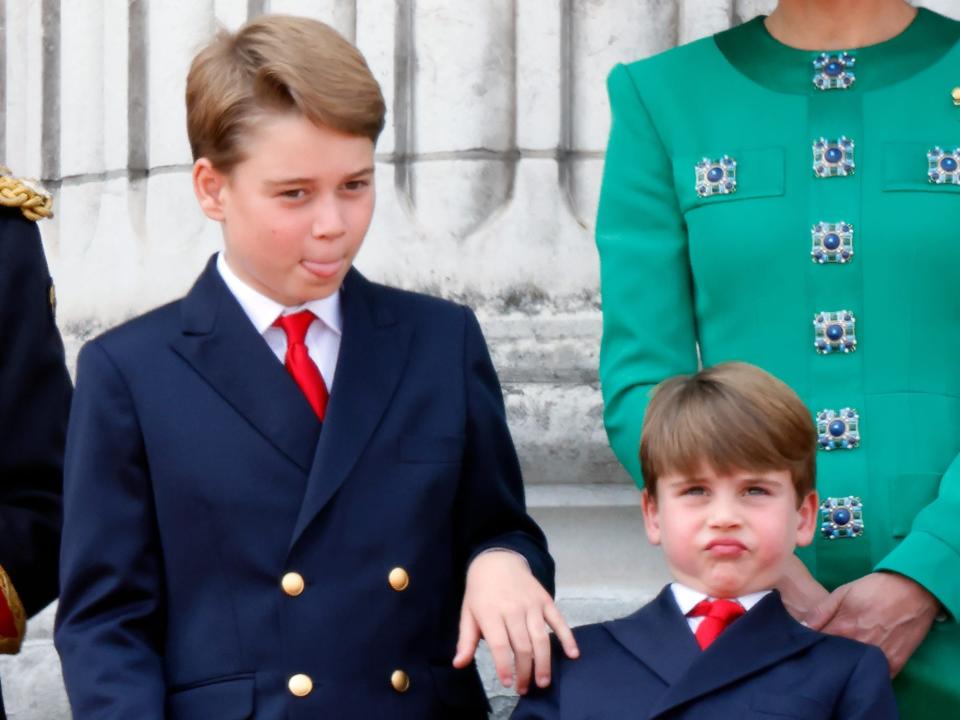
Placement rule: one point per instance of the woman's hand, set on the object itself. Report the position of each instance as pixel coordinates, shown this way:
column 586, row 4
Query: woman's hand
column 800, row 591
column 884, row 609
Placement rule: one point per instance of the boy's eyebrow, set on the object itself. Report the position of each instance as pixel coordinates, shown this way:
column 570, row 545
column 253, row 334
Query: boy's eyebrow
column 688, row 480
column 307, row 180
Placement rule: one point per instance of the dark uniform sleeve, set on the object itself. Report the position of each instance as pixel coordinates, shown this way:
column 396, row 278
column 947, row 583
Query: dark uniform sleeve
column 34, row 403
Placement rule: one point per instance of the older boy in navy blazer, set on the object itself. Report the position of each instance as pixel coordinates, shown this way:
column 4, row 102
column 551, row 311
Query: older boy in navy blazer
column 287, row 491
column 728, row 464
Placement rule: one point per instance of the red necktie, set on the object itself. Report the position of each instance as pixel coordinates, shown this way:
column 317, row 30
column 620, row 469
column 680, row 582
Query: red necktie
column 717, row 614
column 298, row 360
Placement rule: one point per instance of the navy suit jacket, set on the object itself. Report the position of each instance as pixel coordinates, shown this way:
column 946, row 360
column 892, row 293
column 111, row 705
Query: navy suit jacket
column 34, row 402
column 765, row 665
column 197, row 476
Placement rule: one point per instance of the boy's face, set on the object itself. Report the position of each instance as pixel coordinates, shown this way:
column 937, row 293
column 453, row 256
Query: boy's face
column 728, row 535
column 295, row 211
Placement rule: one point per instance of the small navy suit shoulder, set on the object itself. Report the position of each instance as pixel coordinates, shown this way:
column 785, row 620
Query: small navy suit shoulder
column 648, row 665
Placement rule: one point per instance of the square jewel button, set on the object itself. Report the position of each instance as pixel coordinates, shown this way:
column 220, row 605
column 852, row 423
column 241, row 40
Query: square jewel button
column 716, row 177
column 834, row 158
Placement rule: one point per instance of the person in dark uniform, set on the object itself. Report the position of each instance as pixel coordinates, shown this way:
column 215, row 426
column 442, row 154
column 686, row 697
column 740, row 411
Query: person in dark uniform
column 35, row 394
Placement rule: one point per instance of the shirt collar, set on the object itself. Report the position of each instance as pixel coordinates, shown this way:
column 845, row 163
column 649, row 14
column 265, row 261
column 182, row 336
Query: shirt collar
column 262, row 310
column 687, row 598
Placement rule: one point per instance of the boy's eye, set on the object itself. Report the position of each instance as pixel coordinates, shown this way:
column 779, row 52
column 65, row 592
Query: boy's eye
column 695, row 490
column 294, row 194
column 757, row 490
column 356, row 184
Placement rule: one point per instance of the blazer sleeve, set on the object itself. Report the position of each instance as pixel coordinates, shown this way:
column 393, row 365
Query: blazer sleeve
column 491, row 506
column 930, row 553
column 110, row 620
column 649, row 331
column 868, row 694
column 34, row 402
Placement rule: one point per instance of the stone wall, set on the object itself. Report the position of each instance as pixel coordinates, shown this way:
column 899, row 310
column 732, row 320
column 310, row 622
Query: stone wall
column 488, row 175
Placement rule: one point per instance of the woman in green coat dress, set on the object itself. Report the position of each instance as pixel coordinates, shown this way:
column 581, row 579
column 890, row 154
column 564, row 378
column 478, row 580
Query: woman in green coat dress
column 800, row 209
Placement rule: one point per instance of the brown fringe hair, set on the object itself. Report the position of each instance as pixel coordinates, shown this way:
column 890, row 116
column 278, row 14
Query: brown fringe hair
column 733, row 416
column 277, row 63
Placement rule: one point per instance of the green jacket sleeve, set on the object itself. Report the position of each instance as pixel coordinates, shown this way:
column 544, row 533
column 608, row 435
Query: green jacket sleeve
column 649, row 330
column 930, row 553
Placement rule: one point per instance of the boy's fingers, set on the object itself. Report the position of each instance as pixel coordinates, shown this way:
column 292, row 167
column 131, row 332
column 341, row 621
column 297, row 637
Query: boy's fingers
column 541, row 647
column 497, row 640
column 468, row 639
column 564, row 633
column 522, row 650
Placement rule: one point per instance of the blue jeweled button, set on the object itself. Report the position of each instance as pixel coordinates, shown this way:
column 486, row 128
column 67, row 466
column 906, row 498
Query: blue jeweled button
column 833, row 158
column 835, row 332
column 841, row 517
column 838, row 430
column 834, row 71
column 832, row 242
column 943, row 166
column 716, row 177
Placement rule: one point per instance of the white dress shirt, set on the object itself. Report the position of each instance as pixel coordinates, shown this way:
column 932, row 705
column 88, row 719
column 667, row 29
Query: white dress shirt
column 688, row 598
column 323, row 336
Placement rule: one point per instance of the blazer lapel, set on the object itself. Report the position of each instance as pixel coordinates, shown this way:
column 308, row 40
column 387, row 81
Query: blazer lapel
column 373, row 352
column 659, row 636
column 224, row 347
column 764, row 636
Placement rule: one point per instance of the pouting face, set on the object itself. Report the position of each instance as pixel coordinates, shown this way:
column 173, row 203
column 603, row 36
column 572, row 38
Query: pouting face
column 727, row 535
column 295, row 211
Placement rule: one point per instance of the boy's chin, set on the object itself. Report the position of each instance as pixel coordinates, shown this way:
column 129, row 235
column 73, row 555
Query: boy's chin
column 729, row 584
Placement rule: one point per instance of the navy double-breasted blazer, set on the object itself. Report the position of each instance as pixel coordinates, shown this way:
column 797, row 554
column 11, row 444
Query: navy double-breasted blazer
column 648, row 666
column 197, row 476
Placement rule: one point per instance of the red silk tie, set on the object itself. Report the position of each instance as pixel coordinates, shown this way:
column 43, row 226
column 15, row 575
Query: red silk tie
column 717, row 614
column 298, row 360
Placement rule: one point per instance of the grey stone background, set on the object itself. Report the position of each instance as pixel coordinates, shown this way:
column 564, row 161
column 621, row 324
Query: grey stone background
column 488, row 175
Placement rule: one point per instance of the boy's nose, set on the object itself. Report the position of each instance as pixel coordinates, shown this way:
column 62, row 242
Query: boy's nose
column 723, row 514
column 328, row 220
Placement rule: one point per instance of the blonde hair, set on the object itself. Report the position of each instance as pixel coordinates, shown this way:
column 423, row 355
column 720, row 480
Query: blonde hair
column 277, row 63
column 733, row 416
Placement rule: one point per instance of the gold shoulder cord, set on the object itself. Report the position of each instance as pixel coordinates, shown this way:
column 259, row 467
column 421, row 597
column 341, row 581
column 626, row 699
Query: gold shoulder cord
column 11, row 645
column 34, row 202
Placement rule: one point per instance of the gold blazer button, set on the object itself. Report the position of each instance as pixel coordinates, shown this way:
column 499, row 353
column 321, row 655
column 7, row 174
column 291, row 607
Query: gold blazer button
column 399, row 579
column 300, row 685
column 400, row 681
column 292, row 584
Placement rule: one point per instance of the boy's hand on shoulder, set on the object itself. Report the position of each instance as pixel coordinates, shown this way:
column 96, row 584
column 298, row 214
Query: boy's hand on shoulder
column 884, row 609
column 506, row 605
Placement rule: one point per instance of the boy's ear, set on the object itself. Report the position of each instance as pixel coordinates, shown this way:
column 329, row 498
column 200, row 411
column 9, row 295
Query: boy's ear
column 807, row 518
column 208, row 185
column 651, row 522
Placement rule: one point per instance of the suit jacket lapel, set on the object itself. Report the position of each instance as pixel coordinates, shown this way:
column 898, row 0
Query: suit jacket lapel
column 373, row 352
column 222, row 345
column 659, row 636
column 764, row 636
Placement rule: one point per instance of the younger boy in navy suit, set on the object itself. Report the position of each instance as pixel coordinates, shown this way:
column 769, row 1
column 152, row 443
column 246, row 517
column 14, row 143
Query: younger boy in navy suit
column 728, row 463
column 286, row 492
